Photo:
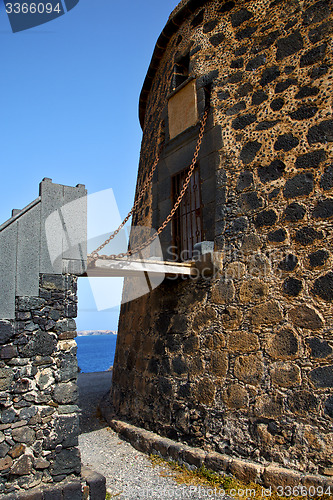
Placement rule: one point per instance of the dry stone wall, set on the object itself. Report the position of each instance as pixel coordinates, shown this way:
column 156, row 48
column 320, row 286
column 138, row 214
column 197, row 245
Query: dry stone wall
column 242, row 363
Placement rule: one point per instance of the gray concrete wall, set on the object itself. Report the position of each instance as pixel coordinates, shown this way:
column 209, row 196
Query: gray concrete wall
column 47, row 236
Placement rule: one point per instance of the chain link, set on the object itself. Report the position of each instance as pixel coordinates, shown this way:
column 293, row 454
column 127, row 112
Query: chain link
column 94, row 255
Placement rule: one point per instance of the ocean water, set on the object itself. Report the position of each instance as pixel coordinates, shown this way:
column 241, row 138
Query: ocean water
column 95, row 353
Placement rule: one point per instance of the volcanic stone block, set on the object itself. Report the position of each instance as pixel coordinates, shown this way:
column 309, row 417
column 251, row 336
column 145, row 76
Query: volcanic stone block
column 249, row 369
column 269, row 75
column 277, row 236
column 311, row 160
column 6, row 378
column 259, row 97
column 306, row 317
column 317, row 12
column 323, row 133
column 267, row 124
column 240, row 17
column 307, row 91
column 285, row 374
column 323, row 287
column 22, row 467
column 244, row 89
column 329, row 406
column 251, row 243
column 236, row 397
column 243, row 121
column 216, row 39
column 246, row 32
column 65, row 393
column 222, row 95
column 289, row 45
column 231, row 318
column 218, row 365
column 96, row 483
column 268, row 40
column 303, row 113
column 286, row 142
column 273, row 172
column 6, row 331
column 292, row 287
column 66, row 462
column 42, row 344
column 252, row 290
column 205, row 392
column 236, row 108
column 245, row 180
column 318, row 258
column 326, row 181
column 223, row 292
column 24, row 435
column 256, row 62
column 266, row 314
column 312, row 56
column 209, row 26
column 323, row 209
column 283, row 345
column 307, row 235
column 266, row 218
column 319, row 348
column 302, row 402
column 277, row 104
column 282, row 86
column 322, row 377
column 243, row 342
column 250, row 201
column 299, row 185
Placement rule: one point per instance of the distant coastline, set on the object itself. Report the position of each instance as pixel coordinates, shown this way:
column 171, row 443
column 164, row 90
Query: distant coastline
column 87, row 333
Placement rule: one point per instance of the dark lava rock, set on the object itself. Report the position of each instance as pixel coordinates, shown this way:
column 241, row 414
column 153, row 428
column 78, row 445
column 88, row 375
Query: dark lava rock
column 241, row 51
column 316, row 12
column 286, row 142
column 266, row 218
column 223, row 95
column 273, row 172
column 226, row 7
column 6, row 331
column 266, row 125
column 198, row 19
column 277, row 236
column 282, row 86
column 236, row 108
column 314, row 55
column 319, row 348
column 294, row 212
column 268, row 40
column 323, row 287
column 240, row 17
column 237, row 63
column 301, row 402
column 259, row 97
column 250, row 201
column 311, row 160
column 321, row 133
column 269, row 75
column 208, row 27
column 318, row 258
column 289, row 45
column 307, row 91
column 215, row 40
column 273, row 194
column 320, row 32
column 329, row 406
column 277, row 104
column 245, row 180
column 318, row 72
column 322, row 376
column 323, row 209
column 289, row 263
column 249, row 152
column 292, row 287
column 236, row 77
column 326, row 181
column 246, row 32
column 256, row 62
column 244, row 89
column 307, row 235
column 303, row 113
column 243, row 121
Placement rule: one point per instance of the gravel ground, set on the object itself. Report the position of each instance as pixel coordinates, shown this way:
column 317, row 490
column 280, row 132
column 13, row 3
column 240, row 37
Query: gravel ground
column 129, row 473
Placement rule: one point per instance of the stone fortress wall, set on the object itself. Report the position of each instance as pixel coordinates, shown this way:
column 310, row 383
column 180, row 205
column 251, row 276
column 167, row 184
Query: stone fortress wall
column 241, row 363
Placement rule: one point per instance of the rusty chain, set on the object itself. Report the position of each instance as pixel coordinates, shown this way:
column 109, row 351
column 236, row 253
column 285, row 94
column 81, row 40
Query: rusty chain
column 94, row 255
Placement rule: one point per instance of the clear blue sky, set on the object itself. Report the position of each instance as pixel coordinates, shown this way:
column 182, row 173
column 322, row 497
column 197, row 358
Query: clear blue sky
column 69, row 107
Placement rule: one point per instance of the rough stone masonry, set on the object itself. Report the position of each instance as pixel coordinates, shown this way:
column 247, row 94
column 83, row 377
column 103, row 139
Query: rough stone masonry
column 241, row 363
